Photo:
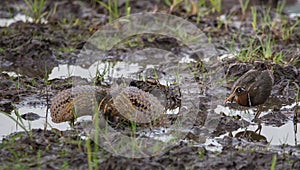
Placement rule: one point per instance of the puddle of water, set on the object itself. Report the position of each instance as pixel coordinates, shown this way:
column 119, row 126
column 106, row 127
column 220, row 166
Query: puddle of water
column 274, row 135
column 119, row 69
column 164, row 134
column 9, row 126
column 129, row 69
column 11, row 73
column 285, row 134
column 212, row 145
column 5, row 22
column 293, row 9
column 115, row 70
column 245, row 114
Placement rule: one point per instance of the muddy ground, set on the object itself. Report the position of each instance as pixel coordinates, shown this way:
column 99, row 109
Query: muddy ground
column 34, row 49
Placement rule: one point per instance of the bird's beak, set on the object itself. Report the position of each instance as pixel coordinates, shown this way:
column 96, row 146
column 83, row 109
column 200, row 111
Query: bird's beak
column 230, row 98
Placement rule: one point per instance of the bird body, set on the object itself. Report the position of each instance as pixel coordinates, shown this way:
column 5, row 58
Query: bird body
column 129, row 103
column 253, row 88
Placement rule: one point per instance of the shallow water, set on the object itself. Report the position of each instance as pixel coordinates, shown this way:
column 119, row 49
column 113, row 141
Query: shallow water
column 285, row 134
column 288, row 133
column 114, row 70
column 135, row 66
column 16, row 18
column 9, row 126
column 293, row 8
column 5, row 22
column 121, row 69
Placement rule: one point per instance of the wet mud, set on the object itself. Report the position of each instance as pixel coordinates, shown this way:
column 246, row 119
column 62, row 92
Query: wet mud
column 30, row 52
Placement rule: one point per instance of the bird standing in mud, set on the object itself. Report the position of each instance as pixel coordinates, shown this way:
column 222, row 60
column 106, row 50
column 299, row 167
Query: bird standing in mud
column 253, row 88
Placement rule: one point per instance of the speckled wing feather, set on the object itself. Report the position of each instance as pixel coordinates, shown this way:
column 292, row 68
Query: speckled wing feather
column 74, row 102
column 137, row 105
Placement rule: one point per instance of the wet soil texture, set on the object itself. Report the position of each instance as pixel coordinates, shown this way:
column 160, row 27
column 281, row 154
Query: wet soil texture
column 31, row 53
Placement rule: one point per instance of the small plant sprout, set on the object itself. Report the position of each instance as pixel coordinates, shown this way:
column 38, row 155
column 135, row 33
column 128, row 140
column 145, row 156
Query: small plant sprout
column 287, row 31
column 267, row 47
column 172, row 4
column 266, row 19
column 279, row 9
column 254, row 18
column 231, row 49
column 244, row 6
column 112, row 9
column 127, row 8
column 35, row 10
column 216, row 5
column 278, row 58
column 273, row 163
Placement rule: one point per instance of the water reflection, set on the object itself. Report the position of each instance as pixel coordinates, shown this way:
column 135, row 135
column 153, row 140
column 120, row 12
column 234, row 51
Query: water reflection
column 9, row 125
column 284, row 134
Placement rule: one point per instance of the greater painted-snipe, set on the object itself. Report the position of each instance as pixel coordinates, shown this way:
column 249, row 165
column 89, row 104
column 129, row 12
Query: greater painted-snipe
column 253, row 88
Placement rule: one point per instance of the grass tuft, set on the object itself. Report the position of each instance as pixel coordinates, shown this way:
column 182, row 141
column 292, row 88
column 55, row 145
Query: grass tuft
column 35, row 10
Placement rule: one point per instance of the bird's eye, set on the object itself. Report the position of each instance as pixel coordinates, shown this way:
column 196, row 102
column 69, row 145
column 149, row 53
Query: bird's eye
column 240, row 90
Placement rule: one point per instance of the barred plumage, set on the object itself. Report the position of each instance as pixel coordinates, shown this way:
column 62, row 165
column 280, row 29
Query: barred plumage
column 129, row 103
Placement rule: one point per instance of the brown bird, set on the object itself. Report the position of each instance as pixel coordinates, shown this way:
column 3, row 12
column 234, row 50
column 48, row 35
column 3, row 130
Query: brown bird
column 129, row 103
column 253, row 88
